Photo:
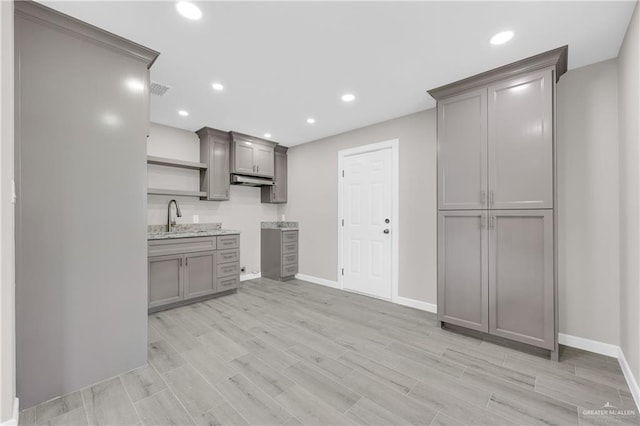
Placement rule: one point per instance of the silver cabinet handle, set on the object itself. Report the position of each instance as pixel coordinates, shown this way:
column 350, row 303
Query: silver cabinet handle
column 483, row 197
column 490, row 198
column 386, row 231
column 491, row 222
column 186, row 261
column 180, row 263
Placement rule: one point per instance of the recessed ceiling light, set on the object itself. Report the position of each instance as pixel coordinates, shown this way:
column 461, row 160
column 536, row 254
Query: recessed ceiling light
column 189, row 10
column 311, row 120
column 501, row 37
column 183, row 113
column 267, row 135
column 348, row 97
column 217, row 86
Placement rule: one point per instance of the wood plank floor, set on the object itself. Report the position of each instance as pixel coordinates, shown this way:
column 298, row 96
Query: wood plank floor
column 297, row 353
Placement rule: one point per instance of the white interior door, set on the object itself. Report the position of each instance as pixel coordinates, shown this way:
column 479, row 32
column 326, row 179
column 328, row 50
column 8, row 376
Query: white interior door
column 368, row 223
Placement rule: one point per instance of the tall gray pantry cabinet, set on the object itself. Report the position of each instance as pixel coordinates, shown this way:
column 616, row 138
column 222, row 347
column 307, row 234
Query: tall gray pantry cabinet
column 82, row 120
column 497, row 201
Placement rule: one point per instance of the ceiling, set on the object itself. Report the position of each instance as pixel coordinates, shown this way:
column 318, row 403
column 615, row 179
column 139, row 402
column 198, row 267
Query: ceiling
column 283, row 62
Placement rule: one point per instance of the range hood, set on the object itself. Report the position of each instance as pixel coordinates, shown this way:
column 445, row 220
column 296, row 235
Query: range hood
column 250, row 181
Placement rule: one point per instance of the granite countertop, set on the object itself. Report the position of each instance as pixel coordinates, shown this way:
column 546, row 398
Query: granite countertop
column 191, row 230
column 282, row 225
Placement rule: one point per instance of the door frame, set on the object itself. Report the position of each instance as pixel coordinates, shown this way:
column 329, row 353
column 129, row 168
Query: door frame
column 394, row 146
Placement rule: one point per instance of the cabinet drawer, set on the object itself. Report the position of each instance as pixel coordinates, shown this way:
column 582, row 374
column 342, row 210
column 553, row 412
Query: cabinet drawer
column 227, row 269
column 228, row 283
column 290, row 247
column 289, row 270
column 290, row 236
column 227, row 256
column 181, row 245
column 228, row 242
column 290, row 258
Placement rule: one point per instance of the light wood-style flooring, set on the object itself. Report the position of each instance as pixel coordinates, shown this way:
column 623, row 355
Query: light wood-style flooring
column 297, row 353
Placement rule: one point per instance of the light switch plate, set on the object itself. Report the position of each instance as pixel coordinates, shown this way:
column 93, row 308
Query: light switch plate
column 196, row 218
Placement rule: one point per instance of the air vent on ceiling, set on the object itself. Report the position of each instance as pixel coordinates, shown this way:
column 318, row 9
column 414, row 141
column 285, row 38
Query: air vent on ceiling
column 158, row 89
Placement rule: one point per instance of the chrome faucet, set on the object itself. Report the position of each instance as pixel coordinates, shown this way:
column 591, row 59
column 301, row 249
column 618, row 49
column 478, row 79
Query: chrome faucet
column 171, row 223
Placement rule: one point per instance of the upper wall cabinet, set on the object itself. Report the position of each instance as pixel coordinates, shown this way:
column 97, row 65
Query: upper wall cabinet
column 278, row 192
column 521, row 142
column 462, row 151
column 215, row 150
column 252, row 156
column 495, row 142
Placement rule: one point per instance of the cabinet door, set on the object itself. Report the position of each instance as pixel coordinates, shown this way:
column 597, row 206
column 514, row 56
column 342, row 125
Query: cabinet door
column 165, row 280
column 521, row 276
column 462, row 151
column 264, row 160
column 244, row 161
column 199, row 274
column 463, row 269
column 219, row 179
column 521, row 142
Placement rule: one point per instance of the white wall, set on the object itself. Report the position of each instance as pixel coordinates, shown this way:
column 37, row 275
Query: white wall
column 243, row 211
column 588, row 243
column 7, row 247
column 629, row 118
column 313, row 200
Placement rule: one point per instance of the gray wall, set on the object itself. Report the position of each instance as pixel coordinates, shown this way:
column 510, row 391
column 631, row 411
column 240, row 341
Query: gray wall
column 588, row 202
column 243, row 211
column 629, row 118
column 587, row 206
column 313, row 200
column 81, row 216
column 7, row 276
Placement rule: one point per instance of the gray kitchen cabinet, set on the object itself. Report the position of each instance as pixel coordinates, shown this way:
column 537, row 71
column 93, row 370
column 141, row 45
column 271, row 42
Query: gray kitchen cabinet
column 462, row 151
column 81, row 125
column 463, row 269
column 215, row 152
column 184, row 270
column 252, row 156
column 279, row 253
column 165, row 280
column 496, row 149
column 521, row 142
column 521, row 276
column 199, row 274
column 277, row 194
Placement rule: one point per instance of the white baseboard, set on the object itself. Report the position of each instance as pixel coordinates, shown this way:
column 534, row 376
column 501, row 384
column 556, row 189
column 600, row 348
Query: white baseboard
column 316, row 280
column 245, row 277
column 628, row 375
column 417, row 304
column 13, row 421
column 589, row 345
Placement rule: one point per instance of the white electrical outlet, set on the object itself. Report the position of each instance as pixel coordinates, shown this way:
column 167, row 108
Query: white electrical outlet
column 196, row 218
column 282, row 218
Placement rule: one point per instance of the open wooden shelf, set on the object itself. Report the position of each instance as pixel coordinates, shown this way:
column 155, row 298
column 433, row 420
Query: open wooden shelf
column 176, row 192
column 175, row 163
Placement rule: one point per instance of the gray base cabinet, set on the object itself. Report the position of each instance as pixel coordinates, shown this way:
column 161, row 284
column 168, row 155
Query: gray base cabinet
column 463, row 269
column 496, row 198
column 521, row 292
column 199, row 274
column 182, row 270
column 279, row 253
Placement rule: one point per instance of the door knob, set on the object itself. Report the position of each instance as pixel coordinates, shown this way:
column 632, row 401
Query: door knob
column 386, row 231
column 387, row 220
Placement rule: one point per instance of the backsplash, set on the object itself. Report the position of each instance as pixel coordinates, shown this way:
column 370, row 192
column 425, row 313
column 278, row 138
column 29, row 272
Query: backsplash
column 279, row 224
